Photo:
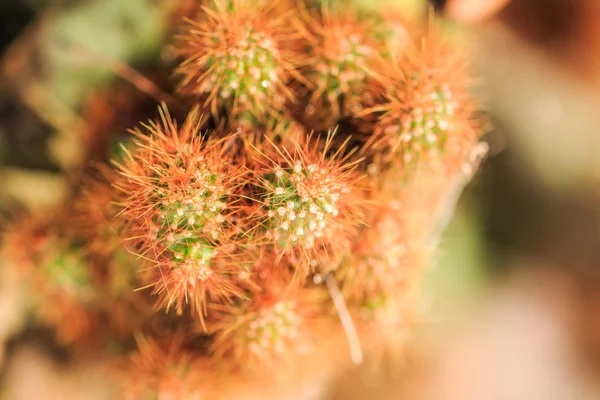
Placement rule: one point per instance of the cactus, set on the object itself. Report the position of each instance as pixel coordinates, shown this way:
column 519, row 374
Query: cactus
column 232, row 234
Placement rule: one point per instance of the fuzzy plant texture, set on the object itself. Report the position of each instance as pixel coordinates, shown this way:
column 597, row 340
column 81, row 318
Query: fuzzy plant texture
column 275, row 215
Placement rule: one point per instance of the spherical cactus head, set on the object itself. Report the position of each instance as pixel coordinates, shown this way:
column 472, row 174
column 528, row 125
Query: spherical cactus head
column 178, row 194
column 380, row 259
column 342, row 47
column 164, row 369
column 311, row 202
column 238, row 56
column 423, row 107
column 59, row 278
column 271, row 327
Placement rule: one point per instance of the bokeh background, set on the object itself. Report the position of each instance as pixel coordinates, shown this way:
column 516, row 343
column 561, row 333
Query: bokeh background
column 513, row 300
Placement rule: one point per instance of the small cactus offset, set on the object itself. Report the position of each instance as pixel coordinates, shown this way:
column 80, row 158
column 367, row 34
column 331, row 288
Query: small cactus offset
column 238, row 57
column 287, row 196
column 342, row 52
column 311, row 203
column 422, row 107
column 180, row 198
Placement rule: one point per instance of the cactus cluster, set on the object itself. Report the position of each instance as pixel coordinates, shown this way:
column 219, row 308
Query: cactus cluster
column 290, row 189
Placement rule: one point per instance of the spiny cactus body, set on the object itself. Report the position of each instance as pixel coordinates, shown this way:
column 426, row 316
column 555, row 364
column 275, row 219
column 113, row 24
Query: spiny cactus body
column 227, row 244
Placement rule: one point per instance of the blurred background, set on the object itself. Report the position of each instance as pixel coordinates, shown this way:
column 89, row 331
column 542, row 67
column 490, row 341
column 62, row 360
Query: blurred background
column 513, row 302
